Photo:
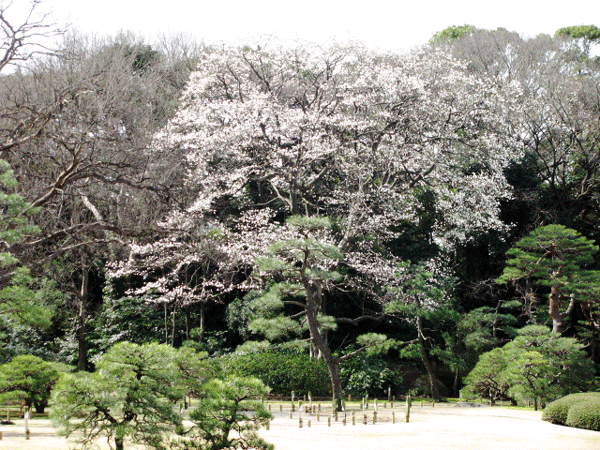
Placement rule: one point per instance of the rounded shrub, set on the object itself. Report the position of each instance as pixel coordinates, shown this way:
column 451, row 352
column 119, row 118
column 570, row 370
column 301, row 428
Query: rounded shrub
column 585, row 414
column 558, row 411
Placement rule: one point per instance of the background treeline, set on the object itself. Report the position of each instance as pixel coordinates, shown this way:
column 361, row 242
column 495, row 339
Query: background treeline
column 97, row 205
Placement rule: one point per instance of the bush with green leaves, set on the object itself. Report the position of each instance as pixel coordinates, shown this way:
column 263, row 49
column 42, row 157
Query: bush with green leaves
column 27, row 378
column 537, row 363
column 130, row 396
column 585, row 414
column 282, row 371
column 369, row 374
column 580, row 410
column 228, row 416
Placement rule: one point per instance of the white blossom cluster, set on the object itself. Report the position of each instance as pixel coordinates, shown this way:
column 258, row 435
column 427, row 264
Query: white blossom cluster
column 341, row 132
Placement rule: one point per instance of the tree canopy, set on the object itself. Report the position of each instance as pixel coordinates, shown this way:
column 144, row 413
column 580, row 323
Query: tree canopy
column 330, row 198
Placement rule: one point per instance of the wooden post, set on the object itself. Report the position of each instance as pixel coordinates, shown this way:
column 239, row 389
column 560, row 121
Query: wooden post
column 26, row 417
column 353, row 419
column 280, row 407
column 364, row 419
column 318, row 417
column 300, row 422
column 309, row 424
column 0, row 435
column 374, row 417
column 393, row 417
column 408, row 405
column 329, row 421
column 291, row 414
column 344, row 419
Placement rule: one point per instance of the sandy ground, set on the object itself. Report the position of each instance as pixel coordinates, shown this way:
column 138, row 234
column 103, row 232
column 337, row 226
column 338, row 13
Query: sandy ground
column 439, row 428
column 447, row 428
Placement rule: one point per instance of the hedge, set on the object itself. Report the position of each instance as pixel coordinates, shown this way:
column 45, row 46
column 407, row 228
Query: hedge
column 585, row 414
column 575, row 410
column 282, row 371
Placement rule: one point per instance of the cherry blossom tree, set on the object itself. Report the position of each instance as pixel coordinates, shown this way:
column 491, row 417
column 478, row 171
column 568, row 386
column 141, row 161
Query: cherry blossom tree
column 338, row 132
column 342, row 132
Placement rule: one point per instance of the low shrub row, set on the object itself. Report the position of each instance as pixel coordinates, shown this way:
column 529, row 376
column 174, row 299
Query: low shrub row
column 575, row 410
column 282, row 371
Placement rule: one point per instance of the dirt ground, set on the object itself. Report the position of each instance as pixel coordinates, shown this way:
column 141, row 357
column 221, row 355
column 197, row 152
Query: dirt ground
column 430, row 428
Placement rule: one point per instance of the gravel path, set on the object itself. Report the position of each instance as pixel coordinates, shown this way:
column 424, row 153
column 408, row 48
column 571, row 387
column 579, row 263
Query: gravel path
column 439, row 428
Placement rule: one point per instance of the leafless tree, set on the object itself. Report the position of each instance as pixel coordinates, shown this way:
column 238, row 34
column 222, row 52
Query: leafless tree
column 25, row 36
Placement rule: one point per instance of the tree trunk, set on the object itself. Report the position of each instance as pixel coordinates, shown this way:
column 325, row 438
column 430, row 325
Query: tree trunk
column 426, row 361
column 173, row 324
column 554, row 307
column 186, row 310
column 166, row 323
column 202, row 320
column 455, row 388
column 40, row 407
column 82, row 360
column 333, row 363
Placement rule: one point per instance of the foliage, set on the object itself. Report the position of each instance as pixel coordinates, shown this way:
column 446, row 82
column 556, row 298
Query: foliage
column 423, row 298
column 585, row 414
column 589, row 32
column 554, row 256
column 28, row 378
column 355, row 159
column 369, row 374
column 23, row 298
column 130, row 396
column 558, row 410
column 451, row 33
column 282, row 371
column 228, row 416
column 486, row 379
column 537, row 363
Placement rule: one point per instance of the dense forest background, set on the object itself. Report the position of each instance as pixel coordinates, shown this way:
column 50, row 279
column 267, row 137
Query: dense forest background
column 330, row 201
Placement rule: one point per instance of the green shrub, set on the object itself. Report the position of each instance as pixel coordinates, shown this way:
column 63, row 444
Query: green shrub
column 27, row 378
column 585, row 414
column 282, row 371
column 369, row 374
column 559, row 410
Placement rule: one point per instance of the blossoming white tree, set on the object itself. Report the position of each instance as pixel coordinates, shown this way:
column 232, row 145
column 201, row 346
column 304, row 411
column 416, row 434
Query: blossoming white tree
column 341, row 132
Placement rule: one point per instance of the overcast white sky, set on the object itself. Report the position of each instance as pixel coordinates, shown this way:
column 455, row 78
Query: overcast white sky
column 388, row 24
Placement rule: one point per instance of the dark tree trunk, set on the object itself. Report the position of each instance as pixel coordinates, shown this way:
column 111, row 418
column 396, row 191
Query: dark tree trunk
column 427, row 362
column 82, row 359
column 333, row 363
column 558, row 317
column 202, row 320
column 554, row 307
